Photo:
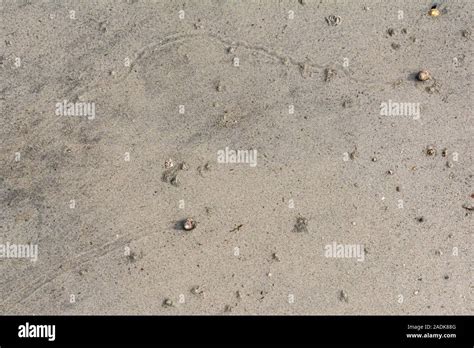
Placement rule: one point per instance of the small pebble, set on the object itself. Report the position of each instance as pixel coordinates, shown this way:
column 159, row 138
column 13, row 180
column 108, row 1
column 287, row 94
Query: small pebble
column 430, row 151
column 423, row 75
column 168, row 303
column 434, row 12
column 343, row 296
column 169, row 163
column 196, row 290
column 189, row 224
column 276, row 257
column 374, row 159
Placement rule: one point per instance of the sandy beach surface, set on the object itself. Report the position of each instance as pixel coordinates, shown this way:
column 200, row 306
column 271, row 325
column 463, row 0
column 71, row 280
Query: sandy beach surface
column 321, row 175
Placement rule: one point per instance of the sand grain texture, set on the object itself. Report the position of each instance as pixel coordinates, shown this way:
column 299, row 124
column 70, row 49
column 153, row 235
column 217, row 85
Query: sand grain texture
column 121, row 250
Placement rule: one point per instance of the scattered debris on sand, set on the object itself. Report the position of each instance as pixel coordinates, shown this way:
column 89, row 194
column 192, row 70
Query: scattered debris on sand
column 197, row 290
column 169, row 163
column 343, row 296
column 305, row 70
column 167, row 303
column 333, row 20
column 329, row 74
column 434, row 88
column 276, row 257
column 219, row 87
column 395, row 46
column 301, row 224
column 204, row 168
column 236, row 228
column 133, row 257
column 171, row 176
column 468, row 206
column 353, row 155
column 347, row 103
column 466, row 33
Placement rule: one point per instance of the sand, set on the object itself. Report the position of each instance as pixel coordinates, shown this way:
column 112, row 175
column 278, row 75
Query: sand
column 160, row 99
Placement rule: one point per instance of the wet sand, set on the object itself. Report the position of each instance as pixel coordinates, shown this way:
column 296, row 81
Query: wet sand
column 119, row 121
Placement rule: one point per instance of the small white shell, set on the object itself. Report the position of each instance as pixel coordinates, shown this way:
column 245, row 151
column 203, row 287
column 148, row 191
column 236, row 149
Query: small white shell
column 423, row 75
column 189, row 224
